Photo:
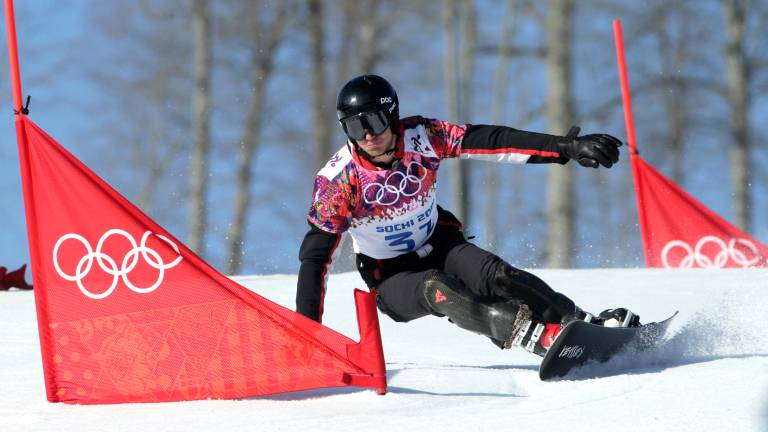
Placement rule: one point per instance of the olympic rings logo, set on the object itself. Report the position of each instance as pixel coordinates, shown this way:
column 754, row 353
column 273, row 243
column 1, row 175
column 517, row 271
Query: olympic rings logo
column 727, row 251
column 84, row 266
column 406, row 180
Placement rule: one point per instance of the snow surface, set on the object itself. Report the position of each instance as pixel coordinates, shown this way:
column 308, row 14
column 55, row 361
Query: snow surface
column 709, row 376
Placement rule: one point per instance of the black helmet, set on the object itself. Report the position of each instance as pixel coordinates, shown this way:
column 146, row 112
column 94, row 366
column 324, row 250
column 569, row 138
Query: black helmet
column 367, row 103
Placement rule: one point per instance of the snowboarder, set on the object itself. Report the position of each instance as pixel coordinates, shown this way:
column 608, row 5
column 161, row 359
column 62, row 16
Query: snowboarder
column 380, row 187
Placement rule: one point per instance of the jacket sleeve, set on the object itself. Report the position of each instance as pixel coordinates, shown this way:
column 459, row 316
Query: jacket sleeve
column 505, row 144
column 317, row 253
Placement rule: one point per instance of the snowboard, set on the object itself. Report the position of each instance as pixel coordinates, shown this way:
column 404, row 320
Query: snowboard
column 580, row 343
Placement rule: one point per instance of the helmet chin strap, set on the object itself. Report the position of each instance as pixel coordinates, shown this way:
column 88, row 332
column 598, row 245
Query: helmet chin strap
column 367, row 155
column 370, row 157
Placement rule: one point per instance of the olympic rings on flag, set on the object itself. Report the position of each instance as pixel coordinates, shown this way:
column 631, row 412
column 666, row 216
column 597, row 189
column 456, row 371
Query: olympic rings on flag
column 405, row 182
column 111, row 268
column 727, row 251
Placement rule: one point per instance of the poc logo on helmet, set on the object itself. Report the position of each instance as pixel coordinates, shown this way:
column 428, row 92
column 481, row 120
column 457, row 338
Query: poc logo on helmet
column 386, row 100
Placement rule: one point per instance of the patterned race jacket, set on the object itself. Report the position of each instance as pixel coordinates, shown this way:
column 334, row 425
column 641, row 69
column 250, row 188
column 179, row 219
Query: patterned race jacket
column 391, row 212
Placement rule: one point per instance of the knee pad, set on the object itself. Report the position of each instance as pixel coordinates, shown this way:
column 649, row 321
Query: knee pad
column 495, row 319
column 516, row 284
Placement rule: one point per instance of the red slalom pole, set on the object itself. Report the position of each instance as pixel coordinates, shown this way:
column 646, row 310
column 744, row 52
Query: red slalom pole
column 634, row 158
column 13, row 53
column 41, row 302
column 624, row 87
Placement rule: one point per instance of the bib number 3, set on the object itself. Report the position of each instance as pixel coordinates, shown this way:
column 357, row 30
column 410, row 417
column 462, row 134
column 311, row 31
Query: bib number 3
column 402, row 238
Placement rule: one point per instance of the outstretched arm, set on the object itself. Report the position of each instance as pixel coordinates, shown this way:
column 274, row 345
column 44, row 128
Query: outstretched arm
column 505, row 144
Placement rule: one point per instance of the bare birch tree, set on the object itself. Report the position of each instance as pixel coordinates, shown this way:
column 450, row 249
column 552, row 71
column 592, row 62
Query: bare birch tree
column 466, row 64
column 456, row 169
column 367, row 49
column 448, row 10
column 266, row 32
column 466, row 69
column 350, row 10
column 201, row 29
column 560, row 117
column 670, row 29
column 321, row 132
column 140, row 87
column 504, row 56
column 738, row 76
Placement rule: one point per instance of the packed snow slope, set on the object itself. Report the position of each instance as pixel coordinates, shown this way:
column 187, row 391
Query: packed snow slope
column 710, row 375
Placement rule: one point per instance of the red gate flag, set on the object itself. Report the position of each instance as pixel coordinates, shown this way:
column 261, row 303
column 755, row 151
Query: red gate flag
column 679, row 231
column 126, row 313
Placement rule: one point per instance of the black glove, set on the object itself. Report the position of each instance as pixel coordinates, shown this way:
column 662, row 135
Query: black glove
column 590, row 150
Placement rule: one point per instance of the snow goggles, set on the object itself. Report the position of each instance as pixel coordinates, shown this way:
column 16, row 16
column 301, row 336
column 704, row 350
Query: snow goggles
column 374, row 123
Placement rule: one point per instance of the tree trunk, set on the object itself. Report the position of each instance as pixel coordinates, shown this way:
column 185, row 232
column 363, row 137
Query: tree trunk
column 344, row 66
column 467, row 35
column 158, row 164
column 738, row 98
column 200, row 108
column 367, row 49
column 500, row 92
column 320, row 103
column 146, row 197
column 450, row 64
column 449, row 60
column 674, row 49
column 560, row 211
column 263, row 53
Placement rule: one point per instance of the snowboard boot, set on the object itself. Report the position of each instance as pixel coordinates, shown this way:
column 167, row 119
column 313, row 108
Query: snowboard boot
column 537, row 336
column 515, row 284
column 499, row 320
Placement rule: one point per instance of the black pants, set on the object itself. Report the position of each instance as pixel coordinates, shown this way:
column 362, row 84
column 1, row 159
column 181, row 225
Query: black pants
column 400, row 293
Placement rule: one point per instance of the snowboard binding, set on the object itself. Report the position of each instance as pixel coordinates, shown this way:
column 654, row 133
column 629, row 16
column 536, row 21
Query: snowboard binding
column 619, row 318
column 537, row 335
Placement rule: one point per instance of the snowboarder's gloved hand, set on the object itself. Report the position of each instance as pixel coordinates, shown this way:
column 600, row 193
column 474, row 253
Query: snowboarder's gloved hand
column 590, row 150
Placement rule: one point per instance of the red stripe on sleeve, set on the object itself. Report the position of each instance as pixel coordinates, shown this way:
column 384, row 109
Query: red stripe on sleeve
column 439, row 222
column 512, row 150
